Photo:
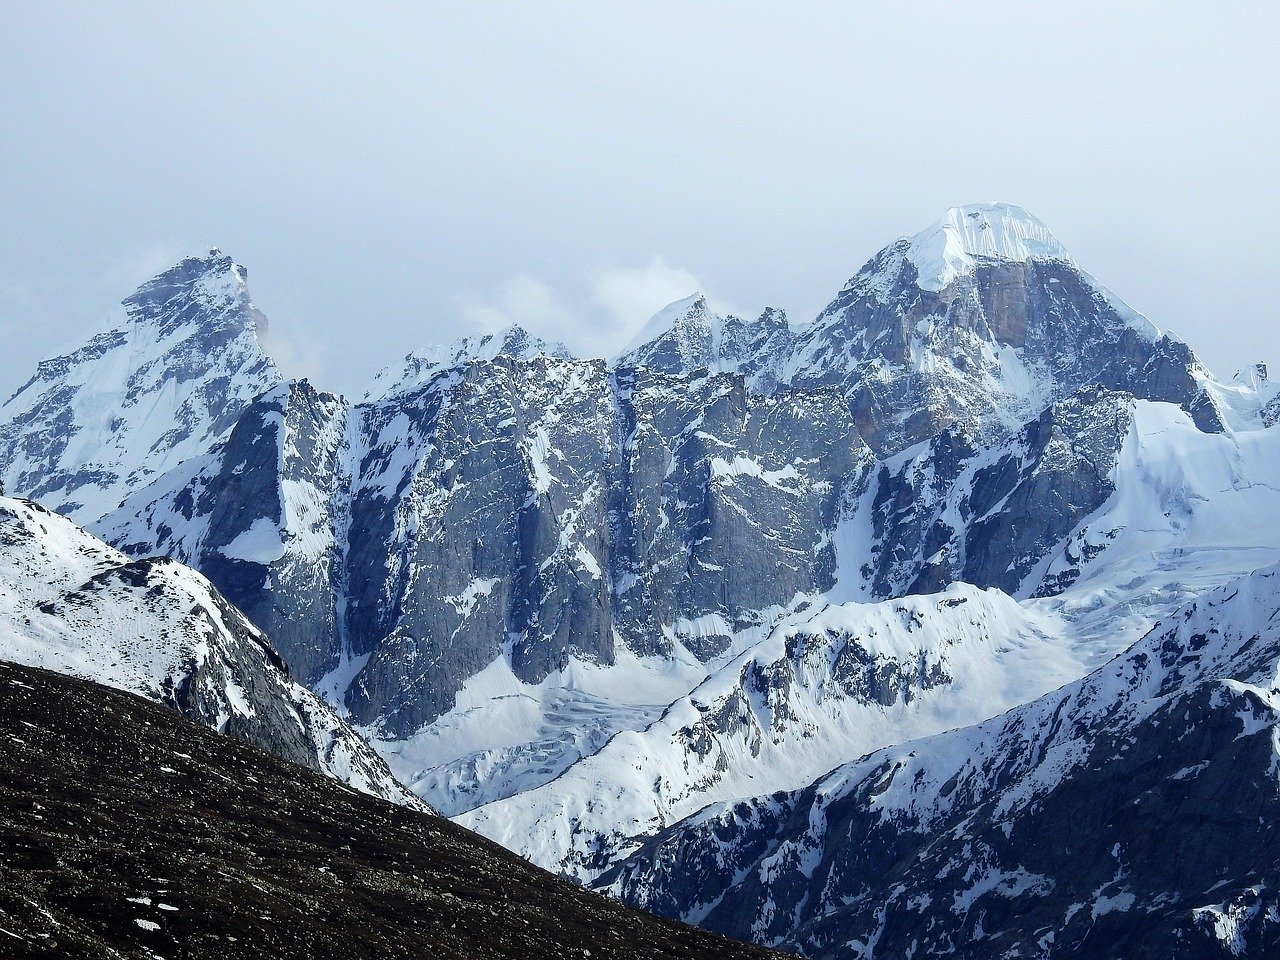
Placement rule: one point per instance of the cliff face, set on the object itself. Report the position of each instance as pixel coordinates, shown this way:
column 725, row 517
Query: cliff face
column 573, row 601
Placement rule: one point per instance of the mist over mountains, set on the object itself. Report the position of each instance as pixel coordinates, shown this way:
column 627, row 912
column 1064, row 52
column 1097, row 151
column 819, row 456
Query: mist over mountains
column 923, row 626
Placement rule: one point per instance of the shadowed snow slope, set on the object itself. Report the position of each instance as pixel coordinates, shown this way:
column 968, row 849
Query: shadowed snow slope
column 69, row 602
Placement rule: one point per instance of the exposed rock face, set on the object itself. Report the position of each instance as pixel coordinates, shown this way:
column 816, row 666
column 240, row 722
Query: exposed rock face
column 68, row 602
column 988, row 515
column 987, row 351
column 688, row 335
column 272, row 542
column 479, row 525
column 725, row 500
column 541, row 508
column 1048, row 832
column 258, row 516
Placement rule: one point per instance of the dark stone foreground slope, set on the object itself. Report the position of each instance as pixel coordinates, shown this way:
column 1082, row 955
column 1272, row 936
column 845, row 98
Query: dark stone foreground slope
column 127, row 831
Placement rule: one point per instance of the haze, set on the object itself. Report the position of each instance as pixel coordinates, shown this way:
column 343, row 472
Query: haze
column 412, row 173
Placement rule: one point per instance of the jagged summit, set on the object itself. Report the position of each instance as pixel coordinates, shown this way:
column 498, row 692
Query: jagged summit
column 689, row 335
column 968, row 234
column 686, row 311
column 513, row 341
column 164, row 378
column 197, row 287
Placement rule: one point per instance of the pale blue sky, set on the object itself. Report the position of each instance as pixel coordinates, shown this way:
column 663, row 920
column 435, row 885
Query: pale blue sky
column 401, row 175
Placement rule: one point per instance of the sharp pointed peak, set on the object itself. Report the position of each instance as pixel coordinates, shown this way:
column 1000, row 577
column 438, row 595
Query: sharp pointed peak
column 673, row 315
column 774, row 315
column 513, row 340
column 212, row 279
column 194, row 266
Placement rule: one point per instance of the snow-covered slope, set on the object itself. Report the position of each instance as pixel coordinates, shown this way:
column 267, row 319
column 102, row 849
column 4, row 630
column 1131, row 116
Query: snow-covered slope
column 162, row 382
column 968, row 236
column 70, row 603
column 823, row 687
column 571, row 600
column 1129, row 814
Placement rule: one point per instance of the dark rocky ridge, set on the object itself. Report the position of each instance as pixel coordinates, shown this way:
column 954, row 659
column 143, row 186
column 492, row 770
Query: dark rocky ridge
column 130, row 832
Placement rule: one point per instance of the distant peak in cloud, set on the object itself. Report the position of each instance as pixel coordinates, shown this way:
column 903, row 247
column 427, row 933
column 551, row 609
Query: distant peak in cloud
column 595, row 320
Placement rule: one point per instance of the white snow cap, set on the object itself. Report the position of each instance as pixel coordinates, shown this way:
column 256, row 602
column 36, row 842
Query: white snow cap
column 999, row 231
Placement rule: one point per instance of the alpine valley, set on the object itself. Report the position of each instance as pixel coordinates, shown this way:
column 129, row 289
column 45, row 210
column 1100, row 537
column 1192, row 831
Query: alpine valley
column 944, row 623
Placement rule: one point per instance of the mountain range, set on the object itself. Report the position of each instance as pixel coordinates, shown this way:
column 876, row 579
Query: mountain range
column 807, row 632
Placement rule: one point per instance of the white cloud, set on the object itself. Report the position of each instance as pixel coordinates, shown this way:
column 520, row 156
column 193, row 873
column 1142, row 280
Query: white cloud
column 598, row 319
column 525, row 301
column 296, row 357
column 631, row 295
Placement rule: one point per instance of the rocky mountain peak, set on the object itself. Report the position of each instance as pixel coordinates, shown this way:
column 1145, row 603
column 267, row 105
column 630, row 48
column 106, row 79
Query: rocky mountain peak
column 680, row 318
column 513, row 342
column 984, row 319
column 163, row 379
column 197, row 289
column 774, row 316
column 690, row 335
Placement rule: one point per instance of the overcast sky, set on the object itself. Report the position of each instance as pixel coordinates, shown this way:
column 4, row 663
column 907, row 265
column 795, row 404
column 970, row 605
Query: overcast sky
column 411, row 173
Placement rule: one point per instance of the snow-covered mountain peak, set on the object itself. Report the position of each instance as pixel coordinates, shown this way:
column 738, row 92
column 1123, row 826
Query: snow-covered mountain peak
column 163, row 379
column 212, row 283
column 687, row 311
column 514, row 342
column 691, row 335
column 967, row 234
